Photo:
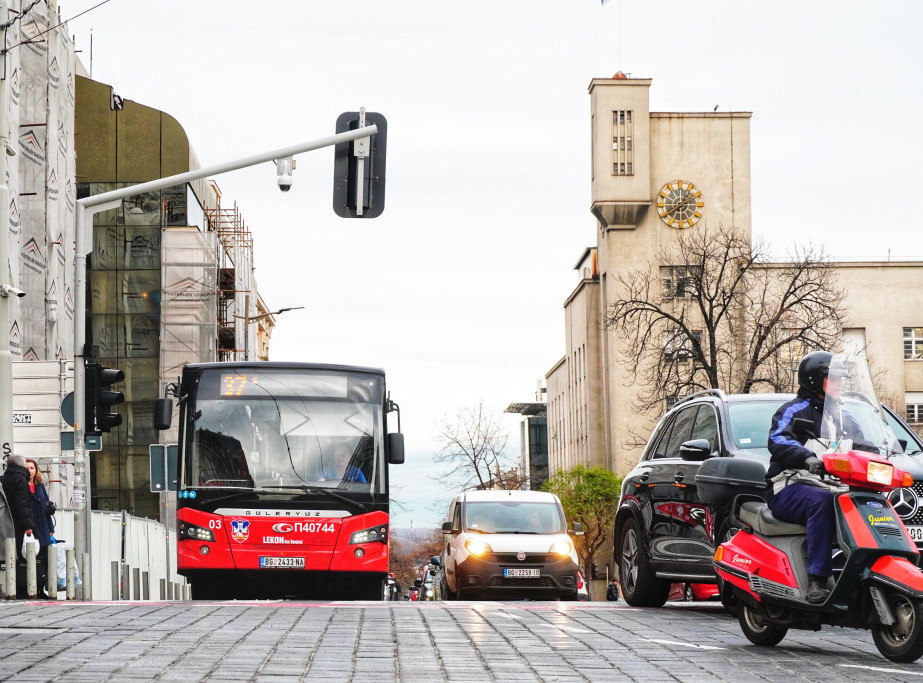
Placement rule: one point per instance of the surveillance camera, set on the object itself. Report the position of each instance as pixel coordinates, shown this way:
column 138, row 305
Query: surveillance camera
column 7, row 290
column 284, row 168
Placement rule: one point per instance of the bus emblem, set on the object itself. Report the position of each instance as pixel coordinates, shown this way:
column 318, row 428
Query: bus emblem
column 240, row 529
column 282, row 528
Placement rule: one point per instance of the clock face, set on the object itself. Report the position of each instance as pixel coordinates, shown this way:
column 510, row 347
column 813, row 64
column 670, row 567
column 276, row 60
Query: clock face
column 680, row 204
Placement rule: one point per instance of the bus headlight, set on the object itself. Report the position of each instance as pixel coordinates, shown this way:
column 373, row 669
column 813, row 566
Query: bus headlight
column 196, row 533
column 375, row 534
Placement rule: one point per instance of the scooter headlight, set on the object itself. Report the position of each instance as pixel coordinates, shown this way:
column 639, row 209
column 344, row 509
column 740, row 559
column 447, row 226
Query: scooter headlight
column 879, row 472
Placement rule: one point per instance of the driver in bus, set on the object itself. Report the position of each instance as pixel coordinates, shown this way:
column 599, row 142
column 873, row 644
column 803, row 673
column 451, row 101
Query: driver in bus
column 341, row 469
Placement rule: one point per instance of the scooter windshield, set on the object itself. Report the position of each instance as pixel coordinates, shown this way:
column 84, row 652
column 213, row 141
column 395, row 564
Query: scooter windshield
column 853, row 416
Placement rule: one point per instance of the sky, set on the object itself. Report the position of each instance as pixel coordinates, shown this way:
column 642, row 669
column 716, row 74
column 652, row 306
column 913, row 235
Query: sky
column 457, row 290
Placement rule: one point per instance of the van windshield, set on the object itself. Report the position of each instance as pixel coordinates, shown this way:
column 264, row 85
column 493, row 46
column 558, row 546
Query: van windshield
column 509, row 517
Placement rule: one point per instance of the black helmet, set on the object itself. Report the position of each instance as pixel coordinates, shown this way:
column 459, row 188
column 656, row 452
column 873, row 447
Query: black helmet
column 813, row 369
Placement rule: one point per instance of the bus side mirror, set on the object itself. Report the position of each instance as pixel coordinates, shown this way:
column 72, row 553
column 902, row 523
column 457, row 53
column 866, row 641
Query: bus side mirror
column 163, row 413
column 396, row 448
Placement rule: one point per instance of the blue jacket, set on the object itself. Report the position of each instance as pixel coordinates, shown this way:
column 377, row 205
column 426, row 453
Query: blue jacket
column 787, row 448
column 44, row 525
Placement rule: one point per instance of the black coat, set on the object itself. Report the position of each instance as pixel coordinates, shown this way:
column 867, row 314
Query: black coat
column 15, row 483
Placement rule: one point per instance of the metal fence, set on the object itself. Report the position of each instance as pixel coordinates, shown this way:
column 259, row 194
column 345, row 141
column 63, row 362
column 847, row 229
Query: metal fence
column 131, row 558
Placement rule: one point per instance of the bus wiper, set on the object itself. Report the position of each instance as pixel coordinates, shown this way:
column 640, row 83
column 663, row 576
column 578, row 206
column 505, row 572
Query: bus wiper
column 336, row 496
column 240, row 494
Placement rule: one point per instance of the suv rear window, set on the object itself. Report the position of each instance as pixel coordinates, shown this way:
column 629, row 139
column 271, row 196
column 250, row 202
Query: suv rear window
column 750, row 422
column 496, row 517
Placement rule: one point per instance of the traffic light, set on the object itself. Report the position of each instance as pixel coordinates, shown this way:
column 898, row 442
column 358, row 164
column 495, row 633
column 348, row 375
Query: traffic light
column 594, row 571
column 359, row 167
column 100, row 398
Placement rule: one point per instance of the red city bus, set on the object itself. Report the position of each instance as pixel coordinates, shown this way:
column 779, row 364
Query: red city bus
column 283, row 479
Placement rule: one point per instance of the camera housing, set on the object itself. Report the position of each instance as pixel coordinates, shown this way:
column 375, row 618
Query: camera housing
column 284, row 168
column 9, row 290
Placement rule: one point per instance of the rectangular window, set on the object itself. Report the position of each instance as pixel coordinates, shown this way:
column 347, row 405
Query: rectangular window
column 914, row 406
column 622, row 143
column 679, row 281
column 677, row 345
column 913, row 343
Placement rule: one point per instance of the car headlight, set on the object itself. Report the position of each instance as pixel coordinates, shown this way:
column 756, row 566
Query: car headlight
column 879, row 472
column 561, row 548
column 196, row 533
column 375, row 534
column 476, row 547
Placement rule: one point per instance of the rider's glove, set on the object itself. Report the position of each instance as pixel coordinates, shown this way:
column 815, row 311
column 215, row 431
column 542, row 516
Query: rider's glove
column 815, row 465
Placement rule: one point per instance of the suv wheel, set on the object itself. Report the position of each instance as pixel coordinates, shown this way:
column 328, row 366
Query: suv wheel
column 639, row 585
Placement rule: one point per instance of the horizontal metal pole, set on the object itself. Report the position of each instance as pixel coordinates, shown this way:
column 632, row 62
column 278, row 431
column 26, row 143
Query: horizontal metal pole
column 183, row 178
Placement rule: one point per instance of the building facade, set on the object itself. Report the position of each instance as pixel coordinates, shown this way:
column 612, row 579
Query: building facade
column 642, row 163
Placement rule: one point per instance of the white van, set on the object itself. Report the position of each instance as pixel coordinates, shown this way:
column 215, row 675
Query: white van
column 509, row 544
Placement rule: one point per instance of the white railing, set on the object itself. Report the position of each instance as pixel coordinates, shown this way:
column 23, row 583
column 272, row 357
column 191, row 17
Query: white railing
column 132, row 557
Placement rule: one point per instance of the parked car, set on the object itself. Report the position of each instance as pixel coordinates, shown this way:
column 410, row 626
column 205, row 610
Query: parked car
column 665, row 534
column 508, row 544
column 693, row 592
column 583, row 595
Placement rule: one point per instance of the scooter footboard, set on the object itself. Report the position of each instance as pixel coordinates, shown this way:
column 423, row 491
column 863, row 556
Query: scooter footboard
column 898, row 572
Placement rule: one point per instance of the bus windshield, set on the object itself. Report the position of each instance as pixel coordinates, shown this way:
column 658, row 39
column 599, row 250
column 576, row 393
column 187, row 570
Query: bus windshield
column 280, row 428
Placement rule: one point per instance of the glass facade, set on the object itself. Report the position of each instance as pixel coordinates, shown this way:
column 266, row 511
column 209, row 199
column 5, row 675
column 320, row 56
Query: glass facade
column 124, row 323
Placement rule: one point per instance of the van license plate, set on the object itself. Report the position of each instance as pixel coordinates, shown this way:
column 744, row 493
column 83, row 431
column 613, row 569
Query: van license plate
column 916, row 532
column 281, row 563
column 521, row 573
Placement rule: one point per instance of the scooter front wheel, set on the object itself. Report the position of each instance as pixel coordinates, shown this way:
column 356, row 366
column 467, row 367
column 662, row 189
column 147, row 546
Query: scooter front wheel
column 901, row 641
column 757, row 626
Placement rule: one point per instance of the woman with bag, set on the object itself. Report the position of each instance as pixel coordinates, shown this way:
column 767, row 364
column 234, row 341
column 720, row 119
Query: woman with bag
column 42, row 511
column 15, row 482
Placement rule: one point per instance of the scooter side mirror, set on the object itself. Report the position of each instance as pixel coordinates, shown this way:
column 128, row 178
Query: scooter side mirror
column 803, row 428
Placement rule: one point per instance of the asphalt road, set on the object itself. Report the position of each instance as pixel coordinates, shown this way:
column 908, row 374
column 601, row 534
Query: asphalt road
column 464, row 641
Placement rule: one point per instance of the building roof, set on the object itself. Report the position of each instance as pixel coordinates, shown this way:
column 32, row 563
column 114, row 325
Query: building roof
column 528, row 409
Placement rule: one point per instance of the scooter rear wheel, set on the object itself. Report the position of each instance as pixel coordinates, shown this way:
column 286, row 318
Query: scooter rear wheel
column 757, row 626
column 901, row 641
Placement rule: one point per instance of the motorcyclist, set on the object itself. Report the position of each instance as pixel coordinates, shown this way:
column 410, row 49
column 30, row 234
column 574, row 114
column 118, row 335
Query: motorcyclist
column 797, row 492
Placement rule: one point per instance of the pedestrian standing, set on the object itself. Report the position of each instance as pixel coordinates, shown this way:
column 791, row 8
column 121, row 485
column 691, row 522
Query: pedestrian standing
column 15, row 482
column 42, row 511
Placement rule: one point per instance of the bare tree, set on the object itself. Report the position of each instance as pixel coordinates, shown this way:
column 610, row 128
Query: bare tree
column 718, row 313
column 474, row 451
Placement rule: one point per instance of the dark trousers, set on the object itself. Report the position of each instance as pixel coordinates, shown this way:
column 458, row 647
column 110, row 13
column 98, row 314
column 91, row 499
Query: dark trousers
column 813, row 507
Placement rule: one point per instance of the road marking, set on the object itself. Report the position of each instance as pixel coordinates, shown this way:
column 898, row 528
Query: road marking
column 505, row 615
column 681, row 644
column 882, row 669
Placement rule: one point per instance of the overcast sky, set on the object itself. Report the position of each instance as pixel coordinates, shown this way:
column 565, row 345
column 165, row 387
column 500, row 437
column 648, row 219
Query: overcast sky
column 457, row 290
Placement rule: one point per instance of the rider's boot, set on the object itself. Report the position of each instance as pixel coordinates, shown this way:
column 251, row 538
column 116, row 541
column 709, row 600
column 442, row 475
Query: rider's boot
column 817, row 589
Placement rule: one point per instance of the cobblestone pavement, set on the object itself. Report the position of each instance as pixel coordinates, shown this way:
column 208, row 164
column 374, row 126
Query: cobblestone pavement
column 490, row 641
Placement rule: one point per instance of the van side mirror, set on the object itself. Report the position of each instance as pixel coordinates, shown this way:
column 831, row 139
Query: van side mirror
column 163, row 413
column 447, row 528
column 396, row 448
column 576, row 529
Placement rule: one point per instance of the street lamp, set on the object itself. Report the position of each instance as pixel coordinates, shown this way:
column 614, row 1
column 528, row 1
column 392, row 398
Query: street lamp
column 252, row 319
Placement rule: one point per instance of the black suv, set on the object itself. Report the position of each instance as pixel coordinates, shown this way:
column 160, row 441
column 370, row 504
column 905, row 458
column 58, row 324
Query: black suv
column 665, row 534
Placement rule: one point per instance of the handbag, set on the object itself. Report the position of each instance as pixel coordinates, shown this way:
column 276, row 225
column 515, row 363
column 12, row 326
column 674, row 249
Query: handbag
column 50, row 508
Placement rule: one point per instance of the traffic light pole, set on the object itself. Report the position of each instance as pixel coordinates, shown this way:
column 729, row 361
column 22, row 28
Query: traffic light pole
column 86, row 208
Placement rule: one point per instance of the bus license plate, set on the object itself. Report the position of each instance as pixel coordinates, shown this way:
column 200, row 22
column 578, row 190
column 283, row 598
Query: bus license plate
column 521, row 573
column 916, row 532
column 281, row 563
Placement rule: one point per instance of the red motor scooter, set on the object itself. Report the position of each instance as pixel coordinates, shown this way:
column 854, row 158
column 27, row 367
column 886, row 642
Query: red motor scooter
column 877, row 584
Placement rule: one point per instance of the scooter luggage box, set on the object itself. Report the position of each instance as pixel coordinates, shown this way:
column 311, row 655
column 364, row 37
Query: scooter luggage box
column 720, row 479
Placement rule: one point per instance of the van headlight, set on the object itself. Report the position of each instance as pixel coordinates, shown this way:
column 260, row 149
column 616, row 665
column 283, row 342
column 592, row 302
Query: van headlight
column 476, row 547
column 561, row 548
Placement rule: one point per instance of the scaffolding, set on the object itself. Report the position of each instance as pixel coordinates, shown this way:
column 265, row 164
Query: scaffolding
column 236, row 295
